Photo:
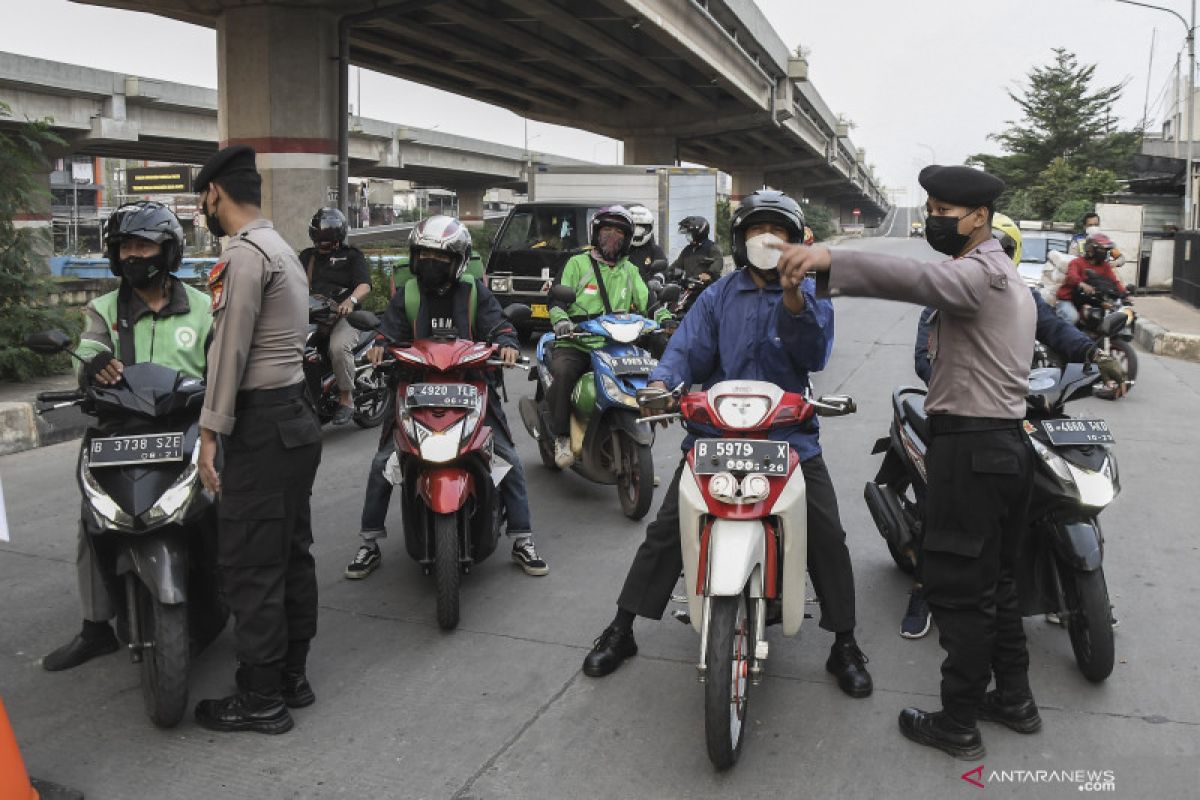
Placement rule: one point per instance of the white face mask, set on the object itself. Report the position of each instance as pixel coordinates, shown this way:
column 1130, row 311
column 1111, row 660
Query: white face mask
column 760, row 255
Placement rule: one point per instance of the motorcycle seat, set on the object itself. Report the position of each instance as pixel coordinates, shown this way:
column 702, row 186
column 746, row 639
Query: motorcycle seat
column 914, row 412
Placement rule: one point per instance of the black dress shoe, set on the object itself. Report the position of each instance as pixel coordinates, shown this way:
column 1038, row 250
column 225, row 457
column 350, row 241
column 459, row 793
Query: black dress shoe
column 245, row 711
column 297, row 692
column 849, row 664
column 614, row 646
column 83, row 647
column 1018, row 713
column 936, row 729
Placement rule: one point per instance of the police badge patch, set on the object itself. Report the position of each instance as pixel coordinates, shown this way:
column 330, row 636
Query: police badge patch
column 216, row 284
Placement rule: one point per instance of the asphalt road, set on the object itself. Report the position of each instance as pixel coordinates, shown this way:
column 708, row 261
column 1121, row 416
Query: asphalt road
column 500, row 709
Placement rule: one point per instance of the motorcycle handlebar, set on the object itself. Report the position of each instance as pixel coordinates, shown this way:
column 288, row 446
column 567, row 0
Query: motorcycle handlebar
column 72, row 395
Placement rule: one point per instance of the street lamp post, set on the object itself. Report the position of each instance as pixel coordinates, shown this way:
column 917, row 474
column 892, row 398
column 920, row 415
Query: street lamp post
column 1188, row 194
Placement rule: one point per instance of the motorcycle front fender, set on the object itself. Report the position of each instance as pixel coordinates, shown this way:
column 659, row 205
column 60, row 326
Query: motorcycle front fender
column 627, row 423
column 445, row 489
column 159, row 562
column 736, row 555
column 1079, row 544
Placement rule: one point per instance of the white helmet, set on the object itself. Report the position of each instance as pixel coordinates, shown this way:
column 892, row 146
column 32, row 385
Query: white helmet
column 643, row 225
column 445, row 234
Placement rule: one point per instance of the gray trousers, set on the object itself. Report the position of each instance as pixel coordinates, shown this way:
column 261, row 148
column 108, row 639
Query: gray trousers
column 342, row 340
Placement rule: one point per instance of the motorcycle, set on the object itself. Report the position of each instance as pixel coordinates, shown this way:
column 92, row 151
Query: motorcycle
column 609, row 446
column 743, row 533
column 139, row 479
column 448, row 472
column 371, row 395
column 1108, row 320
column 1060, row 567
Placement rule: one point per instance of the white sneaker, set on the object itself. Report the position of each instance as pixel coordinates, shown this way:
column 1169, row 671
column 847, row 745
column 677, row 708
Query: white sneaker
column 563, row 456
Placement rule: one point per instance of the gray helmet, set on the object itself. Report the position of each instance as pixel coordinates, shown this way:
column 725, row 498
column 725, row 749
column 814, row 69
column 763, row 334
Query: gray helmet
column 147, row 220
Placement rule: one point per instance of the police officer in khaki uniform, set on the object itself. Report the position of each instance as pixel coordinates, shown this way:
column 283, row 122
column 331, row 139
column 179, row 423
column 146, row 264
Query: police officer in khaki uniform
column 980, row 464
column 272, row 446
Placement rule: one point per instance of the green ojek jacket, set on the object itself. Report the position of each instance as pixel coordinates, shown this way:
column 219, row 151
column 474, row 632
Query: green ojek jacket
column 626, row 291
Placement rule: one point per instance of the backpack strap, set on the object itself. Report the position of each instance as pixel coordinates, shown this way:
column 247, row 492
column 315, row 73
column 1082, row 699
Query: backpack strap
column 125, row 338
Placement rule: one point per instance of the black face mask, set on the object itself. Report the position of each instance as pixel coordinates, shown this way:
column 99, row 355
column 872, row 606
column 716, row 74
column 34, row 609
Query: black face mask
column 432, row 275
column 141, row 271
column 943, row 236
column 212, row 220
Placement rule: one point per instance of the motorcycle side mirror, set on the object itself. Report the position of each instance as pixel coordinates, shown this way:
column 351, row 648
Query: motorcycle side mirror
column 363, row 320
column 48, row 343
column 563, row 295
column 658, row 265
column 834, row 405
column 518, row 313
column 669, row 294
column 1113, row 323
column 655, row 286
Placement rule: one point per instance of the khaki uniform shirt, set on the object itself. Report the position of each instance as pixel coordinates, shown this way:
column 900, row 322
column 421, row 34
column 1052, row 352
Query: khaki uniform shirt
column 981, row 345
column 260, row 310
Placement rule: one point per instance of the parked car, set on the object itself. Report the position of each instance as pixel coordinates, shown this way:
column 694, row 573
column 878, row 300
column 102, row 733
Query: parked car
column 1036, row 247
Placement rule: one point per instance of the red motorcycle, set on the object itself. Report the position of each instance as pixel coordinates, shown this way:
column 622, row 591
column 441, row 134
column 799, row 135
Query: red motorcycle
column 449, row 473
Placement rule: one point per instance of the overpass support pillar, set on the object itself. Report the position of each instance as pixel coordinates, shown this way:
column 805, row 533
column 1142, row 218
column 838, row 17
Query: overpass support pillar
column 277, row 76
column 660, row 150
column 470, row 206
column 745, row 181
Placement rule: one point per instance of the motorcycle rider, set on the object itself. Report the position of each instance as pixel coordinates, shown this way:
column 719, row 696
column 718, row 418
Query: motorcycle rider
column 693, row 261
column 155, row 317
column 1055, row 333
column 747, row 326
column 1097, row 257
column 439, row 249
column 604, row 280
column 1089, row 224
column 338, row 271
column 644, row 251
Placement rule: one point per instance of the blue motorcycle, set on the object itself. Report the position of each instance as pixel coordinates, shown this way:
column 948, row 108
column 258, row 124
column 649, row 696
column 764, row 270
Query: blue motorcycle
column 609, row 446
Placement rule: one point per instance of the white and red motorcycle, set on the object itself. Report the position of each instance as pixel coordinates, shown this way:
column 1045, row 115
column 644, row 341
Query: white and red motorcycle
column 743, row 522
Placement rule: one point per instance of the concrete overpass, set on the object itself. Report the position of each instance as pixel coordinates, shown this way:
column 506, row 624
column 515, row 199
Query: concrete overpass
column 108, row 114
column 704, row 81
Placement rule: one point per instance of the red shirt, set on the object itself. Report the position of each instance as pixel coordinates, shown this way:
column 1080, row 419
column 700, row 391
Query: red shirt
column 1077, row 274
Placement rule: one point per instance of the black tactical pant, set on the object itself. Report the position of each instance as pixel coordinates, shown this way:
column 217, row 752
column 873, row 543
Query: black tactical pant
column 265, row 531
column 658, row 561
column 980, row 483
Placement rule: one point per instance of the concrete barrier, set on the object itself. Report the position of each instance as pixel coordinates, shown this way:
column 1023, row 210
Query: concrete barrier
column 21, row 428
column 1154, row 338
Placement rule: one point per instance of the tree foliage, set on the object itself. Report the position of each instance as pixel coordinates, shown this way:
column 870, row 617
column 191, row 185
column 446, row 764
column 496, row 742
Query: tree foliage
column 820, row 219
column 24, row 287
column 1067, row 145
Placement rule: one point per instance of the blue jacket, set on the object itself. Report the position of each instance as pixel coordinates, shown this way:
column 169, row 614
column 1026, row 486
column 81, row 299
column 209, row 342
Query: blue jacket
column 738, row 331
column 1052, row 331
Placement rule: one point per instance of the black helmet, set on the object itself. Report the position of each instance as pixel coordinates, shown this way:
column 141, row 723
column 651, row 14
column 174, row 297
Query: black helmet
column 764, row 205
column 327, row 225
column 695, row 227
column 147, row 220
column 617, row 217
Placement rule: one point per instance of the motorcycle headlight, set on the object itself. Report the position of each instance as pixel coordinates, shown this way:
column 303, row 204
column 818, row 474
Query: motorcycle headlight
column 742, row 411
column 1054, row 461
column 415, row 431
column 176, row 500
column 755, row 487
column 723, row 486
column 615, row 392
column 471, row 421
column 108, row 514
column 441, row 446
column 623, row 332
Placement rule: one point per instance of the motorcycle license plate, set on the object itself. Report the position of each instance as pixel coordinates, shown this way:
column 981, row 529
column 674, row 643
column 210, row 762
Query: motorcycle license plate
column 1077, row 431
column 741, row 455
column 633, row 365
column 441, row 395
column 117, row 451
column 540, row 311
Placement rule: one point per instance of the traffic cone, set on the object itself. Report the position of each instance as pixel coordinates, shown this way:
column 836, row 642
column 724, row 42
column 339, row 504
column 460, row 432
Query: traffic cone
column 14, row 781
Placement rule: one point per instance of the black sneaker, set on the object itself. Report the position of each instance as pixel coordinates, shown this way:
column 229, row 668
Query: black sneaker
column 366, row 561
column 525, row 556
column 344, row 415
column 916, row 619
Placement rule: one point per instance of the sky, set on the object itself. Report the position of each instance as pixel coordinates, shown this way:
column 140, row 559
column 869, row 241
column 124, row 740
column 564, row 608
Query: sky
column 921, row 81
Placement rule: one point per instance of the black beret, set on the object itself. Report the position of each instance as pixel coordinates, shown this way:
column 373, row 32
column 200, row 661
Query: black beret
column 237, row 158
column 963, row 186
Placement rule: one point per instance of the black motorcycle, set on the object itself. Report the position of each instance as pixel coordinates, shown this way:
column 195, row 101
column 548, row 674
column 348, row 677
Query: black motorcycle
column 372, row 399
column 142, row 495
column 1107, row 317
column 1061, row 558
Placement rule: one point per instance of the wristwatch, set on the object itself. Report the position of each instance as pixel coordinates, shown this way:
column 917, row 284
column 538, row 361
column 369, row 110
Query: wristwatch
column 354, row 299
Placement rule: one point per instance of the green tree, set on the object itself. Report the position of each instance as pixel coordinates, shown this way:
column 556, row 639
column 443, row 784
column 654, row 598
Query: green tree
column 24, row 286
column 820, row 220
column 720, row 226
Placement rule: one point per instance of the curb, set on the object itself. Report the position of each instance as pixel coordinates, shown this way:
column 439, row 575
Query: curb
column 1153, row 338
column 22, row 429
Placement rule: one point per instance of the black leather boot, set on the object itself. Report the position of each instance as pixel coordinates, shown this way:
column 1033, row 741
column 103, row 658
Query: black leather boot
column 297, row 692
column 612, row 647
column 256, row 706
column 938, row 729
column 96, row 639
column 1015, row 710
column 849, row 664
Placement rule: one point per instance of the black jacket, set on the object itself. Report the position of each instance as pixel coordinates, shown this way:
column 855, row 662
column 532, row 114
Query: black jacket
column 642, row 257
column 337, row 273
column 691, row 259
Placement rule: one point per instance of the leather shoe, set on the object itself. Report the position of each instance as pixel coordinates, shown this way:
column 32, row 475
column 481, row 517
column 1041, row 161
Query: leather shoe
column 608, row 651
column 936, row 729
column 80, row 649
column 245, row 711
column 848, row 663
column 1017, row 712
column 297, row 691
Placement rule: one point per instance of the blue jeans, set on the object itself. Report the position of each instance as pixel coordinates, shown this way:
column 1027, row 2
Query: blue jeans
column 513, row 493
column 1066, row 311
